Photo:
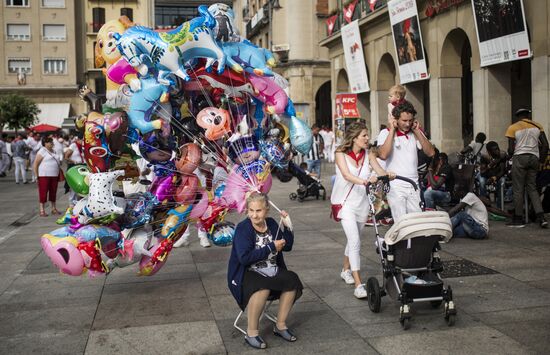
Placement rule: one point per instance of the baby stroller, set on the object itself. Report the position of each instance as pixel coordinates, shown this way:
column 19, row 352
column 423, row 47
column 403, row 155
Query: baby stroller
column 410, row 262
column 309, row 186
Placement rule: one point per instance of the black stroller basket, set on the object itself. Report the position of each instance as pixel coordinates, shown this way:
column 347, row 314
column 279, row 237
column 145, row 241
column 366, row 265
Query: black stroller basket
column 410, row 262
column 309, row 186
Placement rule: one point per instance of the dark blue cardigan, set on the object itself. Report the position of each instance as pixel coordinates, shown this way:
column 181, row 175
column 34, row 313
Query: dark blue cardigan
column 244, row 252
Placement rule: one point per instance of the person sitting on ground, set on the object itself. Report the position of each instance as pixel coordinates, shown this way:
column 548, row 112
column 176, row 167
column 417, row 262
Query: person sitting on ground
column 492, row 169
column 438, row 182
column 257, row 270
column 469, row 217
column 474, row 150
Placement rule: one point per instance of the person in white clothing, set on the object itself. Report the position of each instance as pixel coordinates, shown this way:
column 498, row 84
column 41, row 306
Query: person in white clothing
column 354, row 170
column 329, row 145
column 74, row 155
column 34, row 144
column 46, row 167
column 398, row 145
column 470, row 218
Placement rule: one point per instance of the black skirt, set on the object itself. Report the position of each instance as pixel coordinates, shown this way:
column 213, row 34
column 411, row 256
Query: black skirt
column 285, row 280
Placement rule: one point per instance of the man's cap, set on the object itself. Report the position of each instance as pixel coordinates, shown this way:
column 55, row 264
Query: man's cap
column 523, row 111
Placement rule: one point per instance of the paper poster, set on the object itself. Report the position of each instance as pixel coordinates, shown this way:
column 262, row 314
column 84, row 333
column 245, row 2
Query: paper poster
column 407, row 39
column 355, row 60
column 501, row 31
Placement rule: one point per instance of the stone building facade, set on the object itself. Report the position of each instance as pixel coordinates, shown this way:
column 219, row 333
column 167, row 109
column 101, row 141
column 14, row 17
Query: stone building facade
column 460, row 98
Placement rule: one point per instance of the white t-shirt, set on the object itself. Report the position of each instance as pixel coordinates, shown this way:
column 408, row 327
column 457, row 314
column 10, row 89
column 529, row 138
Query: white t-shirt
column 58, row 148
column 476, row 209
column 356, row 202
column 329, row 139
column 76, row 157
column 49, row 166
column 403, row 158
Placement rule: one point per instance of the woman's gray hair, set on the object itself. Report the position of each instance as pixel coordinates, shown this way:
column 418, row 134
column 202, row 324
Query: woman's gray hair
column 257, row 196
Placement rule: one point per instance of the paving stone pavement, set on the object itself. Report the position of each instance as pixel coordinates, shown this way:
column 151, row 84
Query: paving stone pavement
column 187, row 309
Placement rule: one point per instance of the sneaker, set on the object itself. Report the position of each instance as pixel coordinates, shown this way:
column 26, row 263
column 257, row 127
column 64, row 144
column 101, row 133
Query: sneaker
column 516, row 223
column 543, row 222
column 182, row 242
column 360, row 291
column 204, row 242
column 347, row 277
column 370, row 223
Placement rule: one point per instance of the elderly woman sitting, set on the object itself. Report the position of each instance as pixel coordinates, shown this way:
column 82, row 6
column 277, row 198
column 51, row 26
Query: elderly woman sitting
column 257, row 270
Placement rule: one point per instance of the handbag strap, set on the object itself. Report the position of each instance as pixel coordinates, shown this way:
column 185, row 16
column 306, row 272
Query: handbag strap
column 353, row 185
column 54, row 158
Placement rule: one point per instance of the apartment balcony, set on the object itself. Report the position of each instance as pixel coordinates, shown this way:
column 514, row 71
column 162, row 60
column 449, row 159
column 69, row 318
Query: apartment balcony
column 14, row 38
column 361, row 10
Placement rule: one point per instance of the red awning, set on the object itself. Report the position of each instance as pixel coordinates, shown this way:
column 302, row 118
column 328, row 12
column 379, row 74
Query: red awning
column 44, row 128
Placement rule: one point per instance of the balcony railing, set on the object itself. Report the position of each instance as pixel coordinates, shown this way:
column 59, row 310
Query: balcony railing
column 54, row 38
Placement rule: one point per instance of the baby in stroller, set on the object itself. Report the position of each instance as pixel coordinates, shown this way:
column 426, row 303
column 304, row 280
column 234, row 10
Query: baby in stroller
column 309, row 184
column 411, row 264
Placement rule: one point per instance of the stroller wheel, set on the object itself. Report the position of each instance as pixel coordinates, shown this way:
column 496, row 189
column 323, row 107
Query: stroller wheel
column 451, row 319
column 435, row 304
column 293, row 196
column 406, row 323
column 374, row 295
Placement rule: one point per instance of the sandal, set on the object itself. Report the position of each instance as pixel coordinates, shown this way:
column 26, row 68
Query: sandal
column 43, row 214
column 55, row 211
column 255, row 342
column 286, row 334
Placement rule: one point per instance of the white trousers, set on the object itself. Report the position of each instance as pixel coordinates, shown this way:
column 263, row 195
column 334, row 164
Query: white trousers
column 20, row 171
column 352, row 229
column 403, row 200
column 4, row 162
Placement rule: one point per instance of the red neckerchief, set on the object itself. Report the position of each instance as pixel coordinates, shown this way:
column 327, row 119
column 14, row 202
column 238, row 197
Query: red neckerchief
column 357, row 157
column 400, row 134
column 397, row 102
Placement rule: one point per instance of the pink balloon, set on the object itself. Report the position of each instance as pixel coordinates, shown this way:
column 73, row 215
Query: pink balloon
column 64, row 254
column 245, row 179
column 200, row 207
column 271, row 94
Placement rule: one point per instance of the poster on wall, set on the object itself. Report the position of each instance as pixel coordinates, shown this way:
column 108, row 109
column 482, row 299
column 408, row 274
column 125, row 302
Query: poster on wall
column 355, row 61
column 407, row 39
column 501, row 31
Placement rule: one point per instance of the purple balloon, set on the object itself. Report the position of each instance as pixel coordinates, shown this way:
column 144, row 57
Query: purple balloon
column 163, row 188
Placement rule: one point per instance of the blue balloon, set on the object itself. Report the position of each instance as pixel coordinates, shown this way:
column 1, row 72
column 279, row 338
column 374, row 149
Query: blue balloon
column 88, row 233
column 138, row 210
column 222, row 234
column 274, row 152
column 301, row 136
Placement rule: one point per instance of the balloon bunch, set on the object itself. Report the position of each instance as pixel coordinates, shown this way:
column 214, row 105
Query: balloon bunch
column 203, row 108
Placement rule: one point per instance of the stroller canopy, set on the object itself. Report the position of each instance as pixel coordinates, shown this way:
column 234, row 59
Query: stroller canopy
column 420, row 224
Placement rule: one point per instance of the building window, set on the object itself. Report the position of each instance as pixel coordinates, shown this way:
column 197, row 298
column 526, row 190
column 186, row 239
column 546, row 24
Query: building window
column 53, row 3
column 128, row 12
column 55, row 66
column 98, row 18
column 100, row 86
column 19, row 65
column 18, row 32
column 166, row 16
column 17, row 3
column 54, row 33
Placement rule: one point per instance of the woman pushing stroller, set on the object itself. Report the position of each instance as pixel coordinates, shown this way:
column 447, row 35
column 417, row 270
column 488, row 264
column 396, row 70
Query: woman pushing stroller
column 356, row 167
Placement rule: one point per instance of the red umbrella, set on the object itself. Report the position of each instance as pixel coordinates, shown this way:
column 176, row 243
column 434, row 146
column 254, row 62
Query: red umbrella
column 45, row 128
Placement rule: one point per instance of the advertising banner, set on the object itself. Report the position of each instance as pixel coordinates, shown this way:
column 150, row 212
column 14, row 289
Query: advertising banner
column 346, row 106
column 501, row 31
column 407, row 39
column 355, row 61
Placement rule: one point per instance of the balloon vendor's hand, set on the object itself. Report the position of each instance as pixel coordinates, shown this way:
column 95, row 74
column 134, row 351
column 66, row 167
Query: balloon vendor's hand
column 279, row 244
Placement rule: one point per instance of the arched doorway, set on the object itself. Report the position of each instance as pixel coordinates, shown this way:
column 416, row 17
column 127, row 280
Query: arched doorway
column 323, row 105
column 456, row 105
column 342, row 82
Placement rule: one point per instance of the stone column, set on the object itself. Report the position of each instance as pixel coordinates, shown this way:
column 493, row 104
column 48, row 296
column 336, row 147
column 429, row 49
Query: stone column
column 540, row 88
column 415, row 95
column 446, row 113
column 378, row 110
column 492, row 102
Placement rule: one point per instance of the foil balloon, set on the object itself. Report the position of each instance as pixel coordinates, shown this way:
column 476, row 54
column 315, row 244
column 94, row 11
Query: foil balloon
column 244, row 150
column 215, row 122
column 272, row 95
column 301, row 136
column 168, row 51
column 138, row 210
column 63, row 253
column 77, row 179
column 243, row 179
column 100, row 201
column 246, row 56
column 222, row 234
column 164, row 188
column 190, row 158
column 144, row 103
column 225, row 29
column 274, row 152
column 88, row 233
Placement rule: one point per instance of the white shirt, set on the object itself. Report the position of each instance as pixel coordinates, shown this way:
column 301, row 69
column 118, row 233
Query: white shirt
column 356, row 201
column 58, row 148
column 76, row 157
column 49, row 166
column 403, row 158
column 476, row 209
column 329, row 138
